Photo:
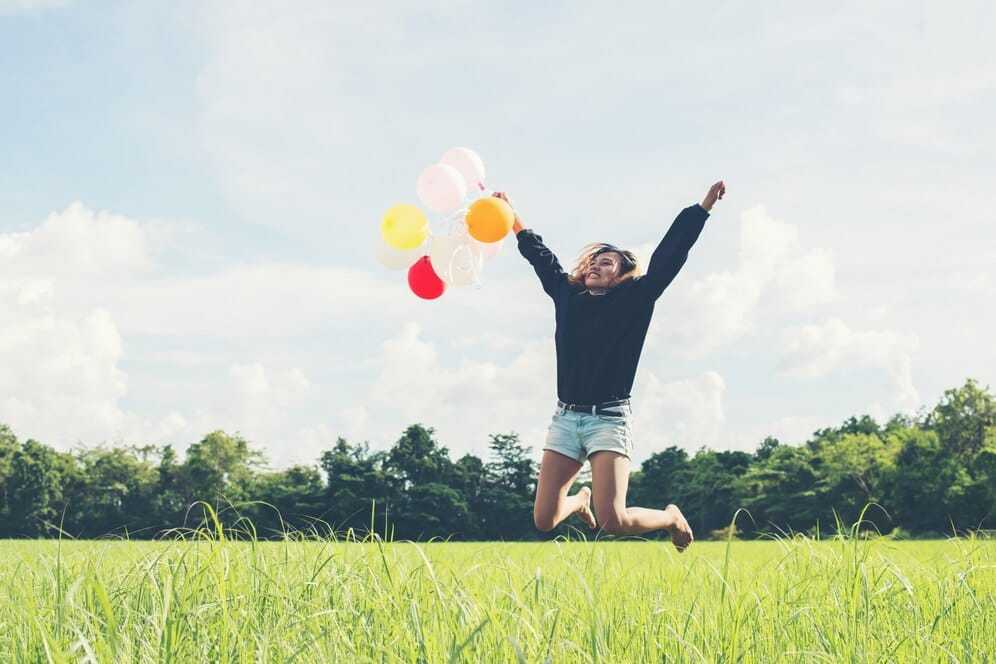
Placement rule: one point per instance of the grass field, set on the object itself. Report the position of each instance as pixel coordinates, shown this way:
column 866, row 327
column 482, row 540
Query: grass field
column 222, row 601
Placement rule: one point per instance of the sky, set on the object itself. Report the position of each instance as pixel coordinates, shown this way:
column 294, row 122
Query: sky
column 191, row 195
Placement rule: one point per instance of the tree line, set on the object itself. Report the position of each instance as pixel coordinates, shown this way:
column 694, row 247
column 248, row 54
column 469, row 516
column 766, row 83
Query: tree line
column 925, row 475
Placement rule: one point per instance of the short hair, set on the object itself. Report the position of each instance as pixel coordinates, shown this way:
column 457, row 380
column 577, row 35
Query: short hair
column 629, row 268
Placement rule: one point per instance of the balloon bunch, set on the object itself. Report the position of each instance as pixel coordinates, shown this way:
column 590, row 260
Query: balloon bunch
column 474, row 232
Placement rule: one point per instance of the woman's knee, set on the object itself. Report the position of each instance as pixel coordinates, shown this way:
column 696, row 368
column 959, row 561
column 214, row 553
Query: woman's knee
column 543, row 519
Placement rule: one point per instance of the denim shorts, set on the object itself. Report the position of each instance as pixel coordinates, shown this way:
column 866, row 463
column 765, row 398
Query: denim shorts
column 579, row 435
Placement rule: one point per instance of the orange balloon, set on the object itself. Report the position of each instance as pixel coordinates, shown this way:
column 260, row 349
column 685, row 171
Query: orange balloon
column 489, row 219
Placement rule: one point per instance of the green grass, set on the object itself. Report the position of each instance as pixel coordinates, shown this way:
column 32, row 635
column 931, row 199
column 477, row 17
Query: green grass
column 221, row 601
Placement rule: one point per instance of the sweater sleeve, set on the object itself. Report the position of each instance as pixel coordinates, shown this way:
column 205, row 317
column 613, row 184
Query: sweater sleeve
column 672, row 252
column 547, row 267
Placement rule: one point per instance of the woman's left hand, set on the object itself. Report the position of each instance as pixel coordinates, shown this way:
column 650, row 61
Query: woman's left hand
column 517, row 226
column 714, row 194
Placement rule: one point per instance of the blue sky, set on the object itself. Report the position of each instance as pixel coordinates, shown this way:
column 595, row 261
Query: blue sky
column 190, row 197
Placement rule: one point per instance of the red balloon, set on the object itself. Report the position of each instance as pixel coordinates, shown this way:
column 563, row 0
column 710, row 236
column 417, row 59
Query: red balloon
column 424, row 281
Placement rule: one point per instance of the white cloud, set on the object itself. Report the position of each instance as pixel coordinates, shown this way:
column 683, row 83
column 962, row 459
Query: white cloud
column 264, row 404
column 774, row 272
column 254, row 300
column 61, row 345
column 78, row 242
column 972, row 282
column 687, row 413
column 59, row 373
column 813, row 351
column 465, row 399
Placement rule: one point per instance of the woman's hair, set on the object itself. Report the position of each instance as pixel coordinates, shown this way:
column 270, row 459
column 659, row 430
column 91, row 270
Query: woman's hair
column 628, row 269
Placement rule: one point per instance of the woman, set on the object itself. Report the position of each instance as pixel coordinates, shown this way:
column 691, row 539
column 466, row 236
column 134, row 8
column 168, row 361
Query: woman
column 603, row 309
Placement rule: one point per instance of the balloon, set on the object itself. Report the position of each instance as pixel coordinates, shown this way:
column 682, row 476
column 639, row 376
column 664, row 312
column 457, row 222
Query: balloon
column 441, row 188
column 489, row 219
column 490, row 249
column 397, row 259
column 456, row 259
column 424, row 281
column 468, row 163
column 404, row 227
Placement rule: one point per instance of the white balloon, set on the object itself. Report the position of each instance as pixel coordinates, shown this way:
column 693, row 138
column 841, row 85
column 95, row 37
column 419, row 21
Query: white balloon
column 397, row 259
column 468, row 163
column 467, row 264
column 441, row 188
column 457, row 260
column 490, row 249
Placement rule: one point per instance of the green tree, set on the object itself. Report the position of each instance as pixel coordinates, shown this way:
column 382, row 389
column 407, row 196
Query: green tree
column 433, row 510
column 34, row 489
column 8, row 448
column 169, row 500
column 360, row 493
column 114, row 492
column 855, row 470
column 428, row 502
column 983, row 494
column 417, row 458
column 962, row 418
column 931, row 485
column 506, row 506
column 469, row 480
column 865, row 424
column 766, row 447
column 707, row 492
column 285, row 501
column 781, row 491
column 660, row 477
column 216, row 468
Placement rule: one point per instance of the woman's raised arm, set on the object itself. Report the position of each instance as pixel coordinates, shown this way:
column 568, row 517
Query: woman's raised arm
column 671, row 254
column 544, row 262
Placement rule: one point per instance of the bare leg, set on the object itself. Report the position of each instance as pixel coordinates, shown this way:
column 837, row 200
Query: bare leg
column 610, row 478
column 553, row 505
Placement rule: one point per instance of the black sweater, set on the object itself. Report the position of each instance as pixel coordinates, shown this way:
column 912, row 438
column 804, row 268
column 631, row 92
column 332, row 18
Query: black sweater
column 599, row 337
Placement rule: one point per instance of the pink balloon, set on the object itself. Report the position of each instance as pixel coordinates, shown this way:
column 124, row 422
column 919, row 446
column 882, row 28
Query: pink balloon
column 468, row 163
column 441, row 188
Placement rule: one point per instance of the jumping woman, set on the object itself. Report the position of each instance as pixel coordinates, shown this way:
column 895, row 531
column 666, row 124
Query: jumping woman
column 603, row 309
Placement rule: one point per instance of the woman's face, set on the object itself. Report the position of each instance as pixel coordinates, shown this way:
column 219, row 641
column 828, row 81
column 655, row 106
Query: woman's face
column 603, row 270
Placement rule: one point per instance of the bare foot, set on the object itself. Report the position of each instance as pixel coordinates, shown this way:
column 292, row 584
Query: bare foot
column 681, row 532
column 585, row 510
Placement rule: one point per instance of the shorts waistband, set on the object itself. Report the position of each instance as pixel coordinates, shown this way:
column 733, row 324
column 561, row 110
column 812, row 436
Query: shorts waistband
column 604, row 408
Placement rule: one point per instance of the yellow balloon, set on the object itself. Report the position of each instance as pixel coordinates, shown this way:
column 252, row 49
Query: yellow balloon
column 489, row 219
column 404, row 227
